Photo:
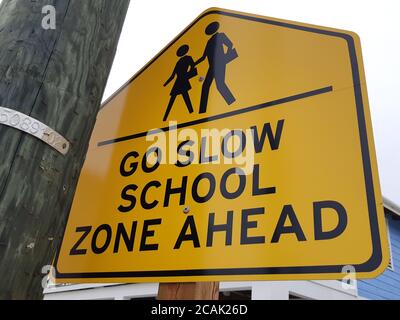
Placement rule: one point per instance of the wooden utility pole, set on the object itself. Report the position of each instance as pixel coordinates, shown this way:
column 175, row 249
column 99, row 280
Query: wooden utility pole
column 58, row 77
column 188, row 291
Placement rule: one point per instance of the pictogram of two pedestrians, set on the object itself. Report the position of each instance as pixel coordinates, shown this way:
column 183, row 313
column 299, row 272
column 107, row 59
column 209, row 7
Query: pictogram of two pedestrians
column 185, row 69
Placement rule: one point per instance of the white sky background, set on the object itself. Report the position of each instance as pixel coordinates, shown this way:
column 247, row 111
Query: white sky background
column 152, row 24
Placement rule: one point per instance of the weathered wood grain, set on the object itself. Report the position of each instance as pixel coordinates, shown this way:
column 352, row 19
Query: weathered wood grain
column 57, row 76
column 188, row 291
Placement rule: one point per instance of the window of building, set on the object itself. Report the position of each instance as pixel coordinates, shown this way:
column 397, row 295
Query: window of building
column 144, row 298
column 235, row 295
column 294, row 296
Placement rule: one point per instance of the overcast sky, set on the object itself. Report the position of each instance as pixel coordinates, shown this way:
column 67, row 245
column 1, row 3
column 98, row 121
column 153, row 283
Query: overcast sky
column 151, row 24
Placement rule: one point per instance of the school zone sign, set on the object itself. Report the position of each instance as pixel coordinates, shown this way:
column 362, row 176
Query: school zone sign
column 243, row 151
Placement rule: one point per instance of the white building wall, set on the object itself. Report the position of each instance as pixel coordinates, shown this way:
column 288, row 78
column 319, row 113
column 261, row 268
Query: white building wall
column 260, row 290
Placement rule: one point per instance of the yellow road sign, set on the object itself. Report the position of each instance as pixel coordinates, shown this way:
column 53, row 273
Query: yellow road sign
column 243, row 150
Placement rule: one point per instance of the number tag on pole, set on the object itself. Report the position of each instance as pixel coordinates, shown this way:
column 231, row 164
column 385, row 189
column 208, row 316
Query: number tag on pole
column 35, row 128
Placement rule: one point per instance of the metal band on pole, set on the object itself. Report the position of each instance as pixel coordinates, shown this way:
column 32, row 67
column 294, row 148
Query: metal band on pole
column 35, row 128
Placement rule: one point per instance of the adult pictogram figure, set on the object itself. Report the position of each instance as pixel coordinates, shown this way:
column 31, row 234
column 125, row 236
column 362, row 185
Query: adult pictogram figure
column 217, row 60
column 183, row 71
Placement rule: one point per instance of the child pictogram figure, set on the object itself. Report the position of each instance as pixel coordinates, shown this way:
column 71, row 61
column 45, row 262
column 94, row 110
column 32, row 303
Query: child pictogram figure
column 184, row 70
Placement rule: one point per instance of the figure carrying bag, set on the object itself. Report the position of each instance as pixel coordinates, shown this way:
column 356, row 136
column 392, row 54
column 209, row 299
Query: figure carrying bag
column 231, row 55
column 192, row 73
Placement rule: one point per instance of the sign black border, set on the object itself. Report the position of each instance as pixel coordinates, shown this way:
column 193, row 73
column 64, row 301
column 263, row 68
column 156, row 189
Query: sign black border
column 370, row 265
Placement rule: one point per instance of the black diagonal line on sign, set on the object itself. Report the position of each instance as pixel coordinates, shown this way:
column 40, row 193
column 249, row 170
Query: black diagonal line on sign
column 221, row 116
